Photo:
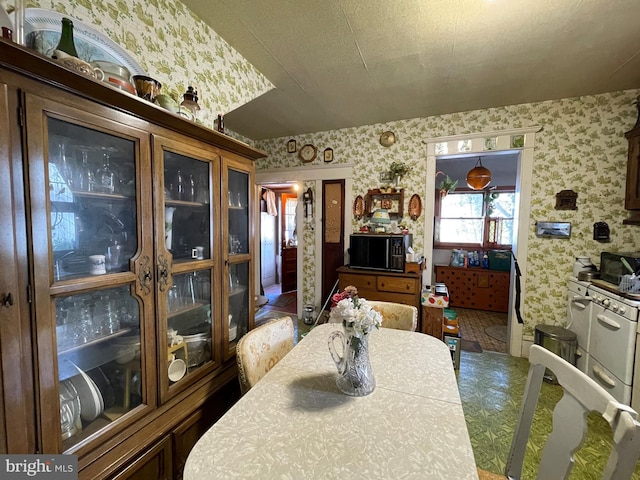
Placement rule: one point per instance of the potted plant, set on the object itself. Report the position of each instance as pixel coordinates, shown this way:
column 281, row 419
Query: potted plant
column 447, row 185
column 398, row 170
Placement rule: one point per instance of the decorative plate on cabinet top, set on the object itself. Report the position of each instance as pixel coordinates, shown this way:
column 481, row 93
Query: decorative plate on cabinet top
column 42, row 32
column 358, row 207
column 415, row 206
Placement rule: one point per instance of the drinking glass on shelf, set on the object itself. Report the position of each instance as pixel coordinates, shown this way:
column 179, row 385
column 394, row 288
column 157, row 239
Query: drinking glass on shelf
column 85, row 178
column 174, row 300
column 62, row 160
column 202, row 190
column 189, row 288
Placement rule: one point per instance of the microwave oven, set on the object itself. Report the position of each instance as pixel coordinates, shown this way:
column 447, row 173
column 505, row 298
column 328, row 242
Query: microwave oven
column 378, row 251
column 612, row 269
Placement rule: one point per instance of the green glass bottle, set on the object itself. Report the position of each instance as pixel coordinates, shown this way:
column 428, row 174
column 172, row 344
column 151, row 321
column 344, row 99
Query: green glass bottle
column 66, row 38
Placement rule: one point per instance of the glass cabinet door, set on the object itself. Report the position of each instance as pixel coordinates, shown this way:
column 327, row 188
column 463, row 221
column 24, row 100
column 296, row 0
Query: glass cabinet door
column 99, row 360
column 93, row 203
column 185, row 236
column 92, row 272
column 238, row 272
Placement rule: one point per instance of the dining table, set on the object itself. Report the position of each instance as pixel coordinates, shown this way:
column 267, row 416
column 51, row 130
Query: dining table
column 296, row 424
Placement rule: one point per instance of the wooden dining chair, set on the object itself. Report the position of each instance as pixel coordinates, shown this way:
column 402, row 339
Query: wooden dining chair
column 261, row 348
column 581, row 396
column 397, row 315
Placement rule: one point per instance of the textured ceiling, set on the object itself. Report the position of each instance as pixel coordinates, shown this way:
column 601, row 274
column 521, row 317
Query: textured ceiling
column 338, row 64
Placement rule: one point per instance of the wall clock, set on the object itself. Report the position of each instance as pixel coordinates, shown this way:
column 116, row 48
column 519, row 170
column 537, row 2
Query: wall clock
column 387, row 138
column 307, row 153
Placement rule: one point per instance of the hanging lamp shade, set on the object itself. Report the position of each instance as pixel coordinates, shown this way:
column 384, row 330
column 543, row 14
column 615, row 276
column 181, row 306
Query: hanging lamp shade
column 478, row 177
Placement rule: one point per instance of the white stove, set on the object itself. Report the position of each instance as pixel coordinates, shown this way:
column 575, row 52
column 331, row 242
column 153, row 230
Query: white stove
column 606, row 324
column 579, row 318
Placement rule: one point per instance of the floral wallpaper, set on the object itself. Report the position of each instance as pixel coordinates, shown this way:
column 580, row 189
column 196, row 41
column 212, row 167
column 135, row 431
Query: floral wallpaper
column 581, row 147
column 309, row 255
column 173, row 46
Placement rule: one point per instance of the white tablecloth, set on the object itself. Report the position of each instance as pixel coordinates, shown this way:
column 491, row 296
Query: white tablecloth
column 296, row 424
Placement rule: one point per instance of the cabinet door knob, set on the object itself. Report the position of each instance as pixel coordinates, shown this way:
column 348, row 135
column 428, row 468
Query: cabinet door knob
column 7, row 300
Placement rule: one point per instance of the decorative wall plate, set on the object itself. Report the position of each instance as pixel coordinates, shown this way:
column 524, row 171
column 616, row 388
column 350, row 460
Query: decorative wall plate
column 415, row 206
column 308, row 153
column 387, row 139
column 358, row 207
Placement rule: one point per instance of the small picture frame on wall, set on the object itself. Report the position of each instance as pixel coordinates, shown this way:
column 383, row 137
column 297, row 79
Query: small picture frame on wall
column 291, row 146
column 553, row 229
column 385, row 177
column 328, row 155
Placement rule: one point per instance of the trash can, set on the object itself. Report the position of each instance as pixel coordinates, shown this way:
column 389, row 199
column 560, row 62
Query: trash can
column 558, row 340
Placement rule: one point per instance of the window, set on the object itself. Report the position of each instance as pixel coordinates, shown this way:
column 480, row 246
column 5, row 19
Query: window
column 475, row 219
column 289, row 204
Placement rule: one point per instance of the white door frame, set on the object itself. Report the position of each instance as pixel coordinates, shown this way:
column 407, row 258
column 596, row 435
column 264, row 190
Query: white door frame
column 301, row 175
column 501, row 140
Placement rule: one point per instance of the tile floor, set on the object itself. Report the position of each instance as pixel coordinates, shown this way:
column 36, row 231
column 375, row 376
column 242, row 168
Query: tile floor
column 491, row 387
column 473, row 323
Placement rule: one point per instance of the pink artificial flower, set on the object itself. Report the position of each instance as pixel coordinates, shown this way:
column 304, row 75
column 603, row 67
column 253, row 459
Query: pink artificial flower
column 349, row 292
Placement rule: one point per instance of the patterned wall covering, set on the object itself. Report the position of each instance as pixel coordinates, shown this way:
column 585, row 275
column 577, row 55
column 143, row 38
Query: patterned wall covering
column 173, row 46
column 309, row 254
column 581, row 147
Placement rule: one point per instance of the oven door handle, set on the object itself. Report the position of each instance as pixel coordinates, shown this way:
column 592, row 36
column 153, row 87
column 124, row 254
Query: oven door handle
column 599, row 373
column 608, row 322
column 580, row 301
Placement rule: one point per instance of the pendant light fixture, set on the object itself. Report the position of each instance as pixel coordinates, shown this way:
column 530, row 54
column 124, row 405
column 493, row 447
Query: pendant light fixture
column 478, row 177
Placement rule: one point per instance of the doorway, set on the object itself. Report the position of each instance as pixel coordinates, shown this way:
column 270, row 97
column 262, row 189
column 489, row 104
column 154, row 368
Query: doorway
column 278, row 246
column 523, row 141
column 309, row 282
column 476, row 222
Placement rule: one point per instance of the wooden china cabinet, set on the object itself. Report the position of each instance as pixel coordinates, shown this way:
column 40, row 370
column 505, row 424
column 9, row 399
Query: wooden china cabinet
column 126, row 278
column 632, row 196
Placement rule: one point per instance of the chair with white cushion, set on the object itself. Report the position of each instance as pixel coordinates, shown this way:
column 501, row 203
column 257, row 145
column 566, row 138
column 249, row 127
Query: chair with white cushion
column 581, row 396
column 260, row 349
column 397, row 315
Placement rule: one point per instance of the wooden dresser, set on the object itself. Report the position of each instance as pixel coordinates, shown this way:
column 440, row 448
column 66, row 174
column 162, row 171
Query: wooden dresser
column 475, row 288
column 289, row 269
column 383, row 286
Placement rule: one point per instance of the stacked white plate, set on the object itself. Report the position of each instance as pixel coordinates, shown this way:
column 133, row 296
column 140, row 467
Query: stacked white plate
column 91, row 401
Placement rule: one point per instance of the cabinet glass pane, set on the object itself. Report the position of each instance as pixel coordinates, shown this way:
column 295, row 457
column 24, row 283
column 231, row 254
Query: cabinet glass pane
column 238, row 199
column 99, row 367
column 238, row 300
column 187, row 207
column 92, row 195
column 189, row 323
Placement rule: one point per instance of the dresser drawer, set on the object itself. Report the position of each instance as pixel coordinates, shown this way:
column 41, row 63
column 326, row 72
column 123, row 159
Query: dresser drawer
column 397, row 284
column 358, row 281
